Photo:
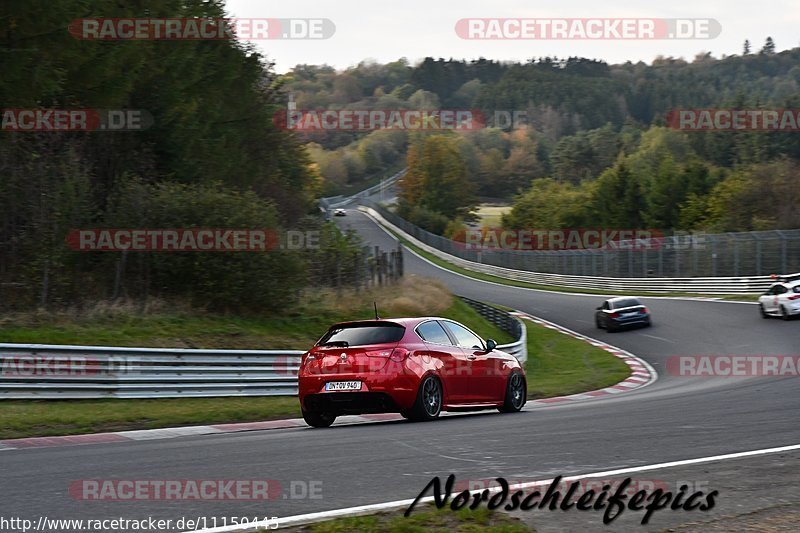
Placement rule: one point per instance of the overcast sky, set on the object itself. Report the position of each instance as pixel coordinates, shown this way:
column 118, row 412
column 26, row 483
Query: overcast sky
column 385, row 31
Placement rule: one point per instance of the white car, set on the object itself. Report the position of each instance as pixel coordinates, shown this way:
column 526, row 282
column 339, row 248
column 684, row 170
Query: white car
column 339, row 213
column 782, row 299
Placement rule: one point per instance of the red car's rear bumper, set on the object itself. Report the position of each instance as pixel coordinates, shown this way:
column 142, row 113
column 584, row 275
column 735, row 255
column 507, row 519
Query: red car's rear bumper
column 379, row 392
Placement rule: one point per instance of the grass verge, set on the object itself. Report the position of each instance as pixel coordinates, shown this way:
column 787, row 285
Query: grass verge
column 39, row 418
column 557, row 364
column 121, row 327
column 434, row 520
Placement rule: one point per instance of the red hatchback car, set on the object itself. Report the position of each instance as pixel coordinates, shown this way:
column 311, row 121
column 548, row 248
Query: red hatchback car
column 415, row 366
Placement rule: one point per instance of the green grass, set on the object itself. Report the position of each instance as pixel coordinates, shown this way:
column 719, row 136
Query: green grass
column 178, row 331
column 293, row 331
column 421, row 521
column 559, row 364
column 461, row 312
column 20, row 418
column 490, row 215
column 556, row 288
column 72, row 417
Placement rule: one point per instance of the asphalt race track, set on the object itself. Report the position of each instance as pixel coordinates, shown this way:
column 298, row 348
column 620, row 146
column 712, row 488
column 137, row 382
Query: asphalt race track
column 674, row 419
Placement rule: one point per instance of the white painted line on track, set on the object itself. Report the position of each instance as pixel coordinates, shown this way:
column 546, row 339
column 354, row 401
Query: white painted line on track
column 658, row 338
column 298, row 520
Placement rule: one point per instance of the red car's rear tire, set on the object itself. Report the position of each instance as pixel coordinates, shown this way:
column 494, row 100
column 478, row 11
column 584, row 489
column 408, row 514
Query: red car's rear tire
column 516, row 393
column 318, row 420
column 428, row 404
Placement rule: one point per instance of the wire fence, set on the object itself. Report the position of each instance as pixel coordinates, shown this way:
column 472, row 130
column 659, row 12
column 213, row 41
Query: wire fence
column 756, row 253
column 360, row 268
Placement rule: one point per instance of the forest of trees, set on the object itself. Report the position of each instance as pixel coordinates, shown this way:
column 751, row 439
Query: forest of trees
column 594, row 149
column 594, row 146
column 211, row 158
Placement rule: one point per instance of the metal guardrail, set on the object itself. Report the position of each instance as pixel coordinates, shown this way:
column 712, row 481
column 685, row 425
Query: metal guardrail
column 754, row 253
column 333, row 202
column 61, row 372
column 508, row 323
column 42, row 371
column 384, row 184
column 700, row 285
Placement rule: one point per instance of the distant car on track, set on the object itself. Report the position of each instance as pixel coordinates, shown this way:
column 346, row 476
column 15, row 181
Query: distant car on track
column 782, row 299
column 417, row 367
column 339, row 213
column 621, row 312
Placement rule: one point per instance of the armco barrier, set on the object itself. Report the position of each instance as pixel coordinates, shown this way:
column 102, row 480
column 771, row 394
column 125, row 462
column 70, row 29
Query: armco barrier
column 705, row 285
column 508, row 323
column 48, row 372
column 31, row 371
column 333, row 202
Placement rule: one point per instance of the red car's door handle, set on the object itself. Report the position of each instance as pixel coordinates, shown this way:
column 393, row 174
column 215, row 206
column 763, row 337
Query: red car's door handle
column 471, row 357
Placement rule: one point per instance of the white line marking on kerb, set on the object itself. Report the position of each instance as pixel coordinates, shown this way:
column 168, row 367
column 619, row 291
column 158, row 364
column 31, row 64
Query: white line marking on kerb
column 399, row 504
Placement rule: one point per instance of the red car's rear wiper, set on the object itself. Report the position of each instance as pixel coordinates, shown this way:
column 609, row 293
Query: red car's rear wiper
column 342, row 344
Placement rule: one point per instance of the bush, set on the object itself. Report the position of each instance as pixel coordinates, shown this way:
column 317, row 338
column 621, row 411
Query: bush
column 424, row 218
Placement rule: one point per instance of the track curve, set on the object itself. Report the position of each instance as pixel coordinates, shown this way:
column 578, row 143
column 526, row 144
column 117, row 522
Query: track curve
column 673, row 419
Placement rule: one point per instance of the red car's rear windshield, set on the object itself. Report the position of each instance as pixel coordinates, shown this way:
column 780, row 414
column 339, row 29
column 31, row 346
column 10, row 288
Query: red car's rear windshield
column 363, row 334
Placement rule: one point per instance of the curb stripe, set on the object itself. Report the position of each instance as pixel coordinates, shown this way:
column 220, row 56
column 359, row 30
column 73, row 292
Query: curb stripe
column 642, row 374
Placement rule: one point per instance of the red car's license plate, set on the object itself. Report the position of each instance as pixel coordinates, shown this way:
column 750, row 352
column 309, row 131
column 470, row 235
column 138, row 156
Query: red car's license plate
column 343, row 385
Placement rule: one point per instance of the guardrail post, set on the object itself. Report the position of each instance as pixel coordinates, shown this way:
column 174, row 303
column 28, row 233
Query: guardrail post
column 714, row 257
column 783, row 253
column 758, row 256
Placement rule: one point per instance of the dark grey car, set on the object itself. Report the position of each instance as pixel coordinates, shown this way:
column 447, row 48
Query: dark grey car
column 618, row 313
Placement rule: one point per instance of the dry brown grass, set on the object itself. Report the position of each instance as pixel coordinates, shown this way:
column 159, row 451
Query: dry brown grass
column 413, row 296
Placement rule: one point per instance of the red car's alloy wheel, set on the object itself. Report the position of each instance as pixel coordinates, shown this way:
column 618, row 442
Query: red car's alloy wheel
column 515, row 394
column 429, row 401
column 432, row 395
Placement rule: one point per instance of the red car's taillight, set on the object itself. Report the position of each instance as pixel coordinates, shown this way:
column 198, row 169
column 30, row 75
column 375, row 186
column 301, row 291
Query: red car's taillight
column 386, row 352
column 399, row 355
column 396, row 354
